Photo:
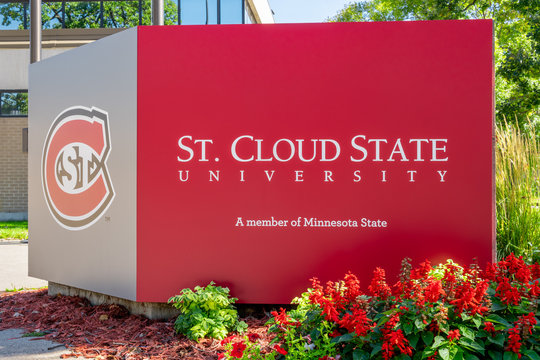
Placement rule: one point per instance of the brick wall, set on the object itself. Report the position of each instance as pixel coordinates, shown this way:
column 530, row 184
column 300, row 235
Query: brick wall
column 13, row 166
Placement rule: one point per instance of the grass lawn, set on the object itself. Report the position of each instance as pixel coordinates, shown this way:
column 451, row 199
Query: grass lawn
column 13, row 229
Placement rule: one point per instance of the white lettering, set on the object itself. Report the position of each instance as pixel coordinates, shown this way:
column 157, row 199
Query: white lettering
column 233, row 149
column 358, row 147
column 214, row 175
column 399, row 151
column 435, row 149
column 323, row 149
column 357, row 177
column 328, row 176
column 269, row 176
column 442, row 174
column 185, row 148
column 418, row 148
column 377, row 148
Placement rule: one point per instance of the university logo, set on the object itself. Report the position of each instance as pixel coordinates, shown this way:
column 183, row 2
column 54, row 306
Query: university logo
column 76, row 182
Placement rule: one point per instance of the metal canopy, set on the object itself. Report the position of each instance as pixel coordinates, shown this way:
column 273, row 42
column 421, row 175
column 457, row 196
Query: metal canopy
column 158, row 17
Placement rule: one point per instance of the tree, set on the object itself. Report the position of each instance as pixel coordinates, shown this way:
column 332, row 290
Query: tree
column 87, row 14
column 517, row 42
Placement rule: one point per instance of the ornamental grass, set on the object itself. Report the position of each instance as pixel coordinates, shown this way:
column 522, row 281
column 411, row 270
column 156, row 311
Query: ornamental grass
column 518, row 192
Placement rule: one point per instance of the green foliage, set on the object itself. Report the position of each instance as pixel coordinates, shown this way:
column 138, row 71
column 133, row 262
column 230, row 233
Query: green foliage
column 14, row 103
column 86, row 14
column 34, row 334
column 206, row 312
column 518, row 192
column 14, row 230
column 517, row 42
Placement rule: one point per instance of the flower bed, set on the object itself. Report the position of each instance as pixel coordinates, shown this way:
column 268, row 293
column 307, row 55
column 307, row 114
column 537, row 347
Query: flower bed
column 443, row 312
column 446, row 312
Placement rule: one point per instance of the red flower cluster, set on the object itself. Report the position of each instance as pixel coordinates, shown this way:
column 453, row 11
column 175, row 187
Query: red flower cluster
column 280, row 350
column 522, row 327
column 471, row 298
column 514, row 341
column 238, row 350
column 394, row 339
column 379, row 287
column 453, row 335
column 514, row 279
column 440, row 298
column 356, row 322
column 253, row 337
column 335, row 297
column 282, row 318
column 488, row 327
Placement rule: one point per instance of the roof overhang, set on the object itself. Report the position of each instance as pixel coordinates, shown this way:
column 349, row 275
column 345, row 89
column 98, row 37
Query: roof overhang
column 259, row 11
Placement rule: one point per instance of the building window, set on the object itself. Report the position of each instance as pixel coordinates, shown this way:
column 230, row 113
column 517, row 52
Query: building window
column 200, row 12
column 13, row 103
column 57, row 14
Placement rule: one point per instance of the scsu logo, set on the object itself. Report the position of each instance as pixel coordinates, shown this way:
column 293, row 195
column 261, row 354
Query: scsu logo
column 75, row 178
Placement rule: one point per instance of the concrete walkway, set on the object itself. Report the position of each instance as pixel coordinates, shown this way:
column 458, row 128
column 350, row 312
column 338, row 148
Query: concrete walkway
column 15, row 347
column 14, row 275
column 14, row 267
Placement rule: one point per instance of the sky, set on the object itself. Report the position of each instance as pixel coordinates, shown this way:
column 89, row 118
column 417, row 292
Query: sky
column 293, row 11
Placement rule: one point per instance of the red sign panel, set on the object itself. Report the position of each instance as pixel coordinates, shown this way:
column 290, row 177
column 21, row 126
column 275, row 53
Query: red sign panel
column 271, row 154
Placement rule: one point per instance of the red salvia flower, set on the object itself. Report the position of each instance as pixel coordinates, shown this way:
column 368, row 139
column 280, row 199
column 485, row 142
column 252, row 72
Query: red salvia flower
column 527, row 323
column 379, row 287
column 357, row 322
column 507, row 293
column 227, row 340
column 514, row 341
column 488, row 326
column 280, row 350
column 395, row 340
column 535, row 271
column 453, row 335
column 253, row 337
column 433, row 327
column 352, row 287
column 491, row 272
column 238, row 350
column 434, row 291
column 422, row 271
column 534, row 290
column 282, row 318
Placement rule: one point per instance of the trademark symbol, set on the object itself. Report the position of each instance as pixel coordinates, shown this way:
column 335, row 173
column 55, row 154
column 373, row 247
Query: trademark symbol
column 107, row 218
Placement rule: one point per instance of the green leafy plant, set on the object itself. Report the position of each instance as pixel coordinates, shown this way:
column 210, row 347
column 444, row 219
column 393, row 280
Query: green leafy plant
column 34, row 334
column 206, row 312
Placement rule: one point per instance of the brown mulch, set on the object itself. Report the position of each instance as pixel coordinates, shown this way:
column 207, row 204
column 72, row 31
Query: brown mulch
column 106, row 332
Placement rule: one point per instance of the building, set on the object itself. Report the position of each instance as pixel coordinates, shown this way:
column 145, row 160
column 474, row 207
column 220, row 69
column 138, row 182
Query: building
column 68, row 25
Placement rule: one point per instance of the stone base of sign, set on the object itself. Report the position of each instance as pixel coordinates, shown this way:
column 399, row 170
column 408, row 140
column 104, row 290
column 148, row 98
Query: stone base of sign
column 154, row 311
column 16, row 216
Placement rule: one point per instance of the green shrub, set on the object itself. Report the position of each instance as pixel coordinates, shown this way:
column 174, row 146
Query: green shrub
column 518, row 181
column 206, row 312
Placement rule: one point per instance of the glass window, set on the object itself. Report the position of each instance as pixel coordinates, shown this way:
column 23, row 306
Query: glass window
column 200, row 12
column 232, row 11
column 13, row 103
